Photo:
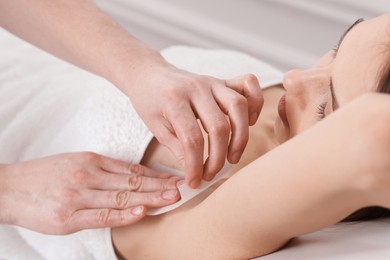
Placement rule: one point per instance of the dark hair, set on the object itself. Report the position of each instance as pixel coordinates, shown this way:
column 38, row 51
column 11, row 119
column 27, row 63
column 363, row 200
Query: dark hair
column 370, row 213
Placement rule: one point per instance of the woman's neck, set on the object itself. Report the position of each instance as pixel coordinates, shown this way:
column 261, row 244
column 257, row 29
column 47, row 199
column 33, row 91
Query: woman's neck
column 262, row 136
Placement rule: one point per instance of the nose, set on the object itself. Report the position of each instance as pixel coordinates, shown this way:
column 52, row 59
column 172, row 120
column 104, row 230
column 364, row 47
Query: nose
column 293, row 80
column 299, row 82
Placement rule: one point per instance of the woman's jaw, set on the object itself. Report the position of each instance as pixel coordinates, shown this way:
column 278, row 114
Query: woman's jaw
column 282, row 126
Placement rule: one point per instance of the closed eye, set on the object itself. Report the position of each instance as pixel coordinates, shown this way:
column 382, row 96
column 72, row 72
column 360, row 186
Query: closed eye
column 321, row 110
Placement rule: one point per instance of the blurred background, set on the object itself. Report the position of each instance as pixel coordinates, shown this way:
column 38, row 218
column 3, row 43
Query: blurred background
column 285, row 33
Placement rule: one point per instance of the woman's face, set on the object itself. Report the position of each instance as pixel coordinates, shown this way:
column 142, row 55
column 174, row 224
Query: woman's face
column 337, row 78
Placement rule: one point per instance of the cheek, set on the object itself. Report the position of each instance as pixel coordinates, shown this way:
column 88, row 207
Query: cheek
column 304, row 120
column 299, row 120
column 297, row 125
column 303, row 117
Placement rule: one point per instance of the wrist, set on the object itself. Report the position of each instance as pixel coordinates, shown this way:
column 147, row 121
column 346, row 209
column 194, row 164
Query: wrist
column 129, row 69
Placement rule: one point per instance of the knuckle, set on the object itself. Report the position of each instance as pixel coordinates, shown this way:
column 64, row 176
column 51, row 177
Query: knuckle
column 173, row 94
column 251, row 79
column 122, row 217
column 136, row 169
column 165, row 184
column 80, row 176
column 60, row 217
column 122, row 199
column 181, row 159
column 195, row 82
column 194, row 140
column 220, row 127
column 66, row 197
column 103, row 216
column 177, row 107
column 135, row 182
column 239, row 101
column 89, row 157
column 198, row 84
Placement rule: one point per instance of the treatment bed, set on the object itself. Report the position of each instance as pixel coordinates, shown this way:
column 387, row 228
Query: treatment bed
column 70, row 121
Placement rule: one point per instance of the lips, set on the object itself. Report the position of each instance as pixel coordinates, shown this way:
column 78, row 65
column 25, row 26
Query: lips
column 282, row 111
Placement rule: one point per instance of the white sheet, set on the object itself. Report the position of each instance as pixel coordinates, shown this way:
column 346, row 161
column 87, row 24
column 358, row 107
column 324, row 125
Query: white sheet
column 347, row 241
column 368, row 240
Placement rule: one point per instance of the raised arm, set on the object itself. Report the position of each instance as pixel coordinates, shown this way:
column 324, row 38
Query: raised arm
column 312, row 181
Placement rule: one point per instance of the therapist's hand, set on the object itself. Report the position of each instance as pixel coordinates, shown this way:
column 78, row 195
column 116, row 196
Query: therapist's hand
column 170, row 101
column 65, row 193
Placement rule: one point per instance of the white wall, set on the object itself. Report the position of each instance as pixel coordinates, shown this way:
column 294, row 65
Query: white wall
column 286, row 33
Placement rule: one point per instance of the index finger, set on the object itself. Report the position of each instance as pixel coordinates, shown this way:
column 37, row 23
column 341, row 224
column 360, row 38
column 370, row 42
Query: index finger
column 189, row 134
column 248, row 86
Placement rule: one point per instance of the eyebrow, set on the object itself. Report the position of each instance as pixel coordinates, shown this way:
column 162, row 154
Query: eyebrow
column 336, row 48
column 335, row 103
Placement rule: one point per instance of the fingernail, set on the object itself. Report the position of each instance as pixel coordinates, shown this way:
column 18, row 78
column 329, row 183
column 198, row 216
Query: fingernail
column 236, row 157
column 169, row 194
column 253, row 118
column 208, row 177
column 137, row 211
column 194, row 183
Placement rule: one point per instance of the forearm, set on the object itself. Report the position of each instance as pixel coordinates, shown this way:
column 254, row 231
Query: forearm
column 79, row 32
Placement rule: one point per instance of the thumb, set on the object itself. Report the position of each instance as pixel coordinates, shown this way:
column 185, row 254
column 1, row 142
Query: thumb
column 169, row 139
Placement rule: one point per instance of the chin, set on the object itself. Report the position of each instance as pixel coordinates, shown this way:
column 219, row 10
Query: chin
column 282, row 133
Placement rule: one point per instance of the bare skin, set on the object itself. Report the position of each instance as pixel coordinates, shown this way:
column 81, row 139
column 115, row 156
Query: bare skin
column 79, row 32
column 55, row 203
column 228, row 222
column 261, row 136
column 261, row 140
column 289, row 192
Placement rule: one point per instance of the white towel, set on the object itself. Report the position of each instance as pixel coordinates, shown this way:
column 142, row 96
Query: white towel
column 48, row 106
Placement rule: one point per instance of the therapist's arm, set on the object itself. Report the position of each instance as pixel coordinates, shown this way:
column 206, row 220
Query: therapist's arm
column 169, row 100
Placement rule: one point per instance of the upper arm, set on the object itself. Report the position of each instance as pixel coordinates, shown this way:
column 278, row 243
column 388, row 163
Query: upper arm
column 312, row 181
